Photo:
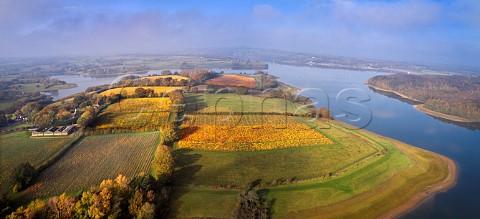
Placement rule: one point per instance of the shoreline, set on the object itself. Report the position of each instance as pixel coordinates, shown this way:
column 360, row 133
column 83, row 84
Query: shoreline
column 415, row 201
column 421, row 108
column 428, row 192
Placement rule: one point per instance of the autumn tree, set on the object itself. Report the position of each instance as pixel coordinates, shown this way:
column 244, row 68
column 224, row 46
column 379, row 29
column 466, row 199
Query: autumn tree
column 251, row 205
column 87, row 117
column 323, row 112
column 169, row 133
column 163, row 164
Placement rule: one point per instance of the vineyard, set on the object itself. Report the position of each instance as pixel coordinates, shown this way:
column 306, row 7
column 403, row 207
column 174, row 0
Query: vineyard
column 94, row 159
column 134, row 113
column 209, row 103
column 136, row 105
column 18, row 147
column 233, row 80
column 247, row 133
column 131, row 90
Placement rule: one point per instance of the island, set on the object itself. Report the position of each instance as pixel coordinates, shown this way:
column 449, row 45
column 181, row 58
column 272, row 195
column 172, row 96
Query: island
column 200, row 143
column 449, row 97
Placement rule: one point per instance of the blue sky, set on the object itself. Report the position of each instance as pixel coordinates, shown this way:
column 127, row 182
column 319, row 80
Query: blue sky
column 424, row 31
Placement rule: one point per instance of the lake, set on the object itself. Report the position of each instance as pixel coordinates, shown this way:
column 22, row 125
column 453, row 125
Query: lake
column 383, row 115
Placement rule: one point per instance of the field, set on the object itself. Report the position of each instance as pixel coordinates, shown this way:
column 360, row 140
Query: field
column 131, row 90
column 18, row 147
column 233, row 80
column 220, row 168
column 40, row 87
column 239, row 103
column 363, row 190
column 248, row 133
column 94, row 159
column 5, row 104
column 134, row 113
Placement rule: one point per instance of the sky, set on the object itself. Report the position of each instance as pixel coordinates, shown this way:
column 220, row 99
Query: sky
column 421, row 31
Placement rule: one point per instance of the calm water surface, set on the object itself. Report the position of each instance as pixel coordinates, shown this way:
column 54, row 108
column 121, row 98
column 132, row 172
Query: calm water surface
column 383, row 115
column 399, row 120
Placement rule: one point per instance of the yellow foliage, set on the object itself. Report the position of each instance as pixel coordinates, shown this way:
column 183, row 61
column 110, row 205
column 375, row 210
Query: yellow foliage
column 267, row 132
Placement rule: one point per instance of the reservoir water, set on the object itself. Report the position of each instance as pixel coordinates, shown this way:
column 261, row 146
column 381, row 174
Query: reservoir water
column 383, row 115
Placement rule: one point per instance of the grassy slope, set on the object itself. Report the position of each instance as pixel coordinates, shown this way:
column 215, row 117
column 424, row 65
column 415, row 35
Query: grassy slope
column 18, row 147
column 238, row 103
column 368, row 191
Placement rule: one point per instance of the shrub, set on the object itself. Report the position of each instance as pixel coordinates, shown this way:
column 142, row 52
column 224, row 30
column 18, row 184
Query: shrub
column 23, row 175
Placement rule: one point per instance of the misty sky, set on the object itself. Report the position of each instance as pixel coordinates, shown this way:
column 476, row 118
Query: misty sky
column 410, row 30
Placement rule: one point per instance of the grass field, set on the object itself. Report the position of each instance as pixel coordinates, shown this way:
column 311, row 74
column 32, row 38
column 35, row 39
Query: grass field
column 94, row 159
column 40, row 87
column 233, row 80
column 134, row 113
column 18, row 147
column 5, row 104
column 365, row 191
column 131, row 90
column 239, row 103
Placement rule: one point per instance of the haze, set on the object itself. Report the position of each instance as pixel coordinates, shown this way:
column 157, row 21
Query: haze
column 421, row 31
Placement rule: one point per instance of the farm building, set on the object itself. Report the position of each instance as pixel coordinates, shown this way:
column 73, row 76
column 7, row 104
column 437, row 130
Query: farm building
column 53, row 131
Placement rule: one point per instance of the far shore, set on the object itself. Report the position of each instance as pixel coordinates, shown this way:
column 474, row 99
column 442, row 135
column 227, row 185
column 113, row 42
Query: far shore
column 422, row 108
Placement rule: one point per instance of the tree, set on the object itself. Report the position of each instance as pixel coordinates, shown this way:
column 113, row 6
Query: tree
column 140, row 92
column 169, row 133
column 251, row 205
column 147, row 211
column 87, row 117
column 163, row 164
column 136, row 203
column 323, row 112
column 193, row 89
column 241, row 90
column 23, row 175
column 166, row 72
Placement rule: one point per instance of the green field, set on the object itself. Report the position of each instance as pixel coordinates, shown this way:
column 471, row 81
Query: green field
column 40, row 87
column 5, row 104
column 364, row 191
column 18, row 147
column 94, row 159
column 239, row 103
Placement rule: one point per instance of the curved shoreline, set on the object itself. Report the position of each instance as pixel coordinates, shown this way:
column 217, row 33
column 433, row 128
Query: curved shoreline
column 416, row 200
column 423, row 109
column 428, row 192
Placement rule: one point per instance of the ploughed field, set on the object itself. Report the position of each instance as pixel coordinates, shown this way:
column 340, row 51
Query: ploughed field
column 94, row 159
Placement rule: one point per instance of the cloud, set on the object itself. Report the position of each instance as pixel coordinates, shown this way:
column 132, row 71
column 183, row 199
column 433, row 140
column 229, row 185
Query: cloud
column 419, row 30
column 265, row 12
